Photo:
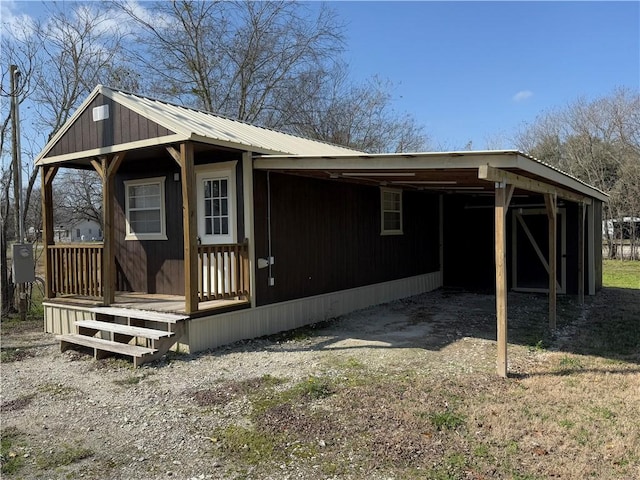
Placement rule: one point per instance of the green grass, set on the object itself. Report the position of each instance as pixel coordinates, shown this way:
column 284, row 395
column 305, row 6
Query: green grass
column 621, row 274
column 67, row 455
column 447, row 420
column 9, row 458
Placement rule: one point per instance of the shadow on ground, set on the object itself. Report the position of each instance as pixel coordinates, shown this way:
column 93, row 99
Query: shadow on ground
column 607, row 325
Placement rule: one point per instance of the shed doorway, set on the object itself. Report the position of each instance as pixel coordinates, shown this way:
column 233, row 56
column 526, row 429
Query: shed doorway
column 530, row 251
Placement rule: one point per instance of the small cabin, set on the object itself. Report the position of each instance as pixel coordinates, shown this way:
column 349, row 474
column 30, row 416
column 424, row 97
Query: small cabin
column 216, row 230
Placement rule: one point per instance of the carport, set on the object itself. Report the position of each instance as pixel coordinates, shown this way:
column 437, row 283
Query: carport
column 474, row 183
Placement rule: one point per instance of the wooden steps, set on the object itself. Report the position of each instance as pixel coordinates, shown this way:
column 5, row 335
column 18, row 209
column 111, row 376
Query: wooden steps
column 102, row 348
column 141, row 332
column 157, row 331
column 164, row 317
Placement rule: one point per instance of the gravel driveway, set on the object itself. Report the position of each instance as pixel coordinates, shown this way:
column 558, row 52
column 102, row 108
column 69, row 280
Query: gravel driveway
column 74, row 417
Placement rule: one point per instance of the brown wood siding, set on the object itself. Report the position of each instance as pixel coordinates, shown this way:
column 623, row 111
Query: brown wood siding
column 325, row 237
column 151, row 266
column 122, row 126
column 597, row 246
column 157, row 266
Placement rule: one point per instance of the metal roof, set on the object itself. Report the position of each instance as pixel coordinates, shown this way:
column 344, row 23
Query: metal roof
column 201, row 126
column 451, row 171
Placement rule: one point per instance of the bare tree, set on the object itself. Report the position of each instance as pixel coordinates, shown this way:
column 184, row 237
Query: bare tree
column 75, row 50
column 78, row 197
column 328, row 106
column 232, row 58
column 597, row 141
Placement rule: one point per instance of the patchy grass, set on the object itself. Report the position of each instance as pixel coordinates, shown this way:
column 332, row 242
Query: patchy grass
column 570, row 412
column 17, row 404
column 65, row 455
column 11, row 442
column 225, row 392
column 14, row 354
column 58, row 390
column 133, row 379
column 12, row 325
column 446, row 420
column 621, row 274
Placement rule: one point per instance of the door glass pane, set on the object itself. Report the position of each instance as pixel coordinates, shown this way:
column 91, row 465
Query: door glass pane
column 216, row 206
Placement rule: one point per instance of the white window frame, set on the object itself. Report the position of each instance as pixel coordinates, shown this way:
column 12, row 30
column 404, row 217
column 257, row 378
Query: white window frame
column 384, row 231
column 214, row 171
column 162, row 234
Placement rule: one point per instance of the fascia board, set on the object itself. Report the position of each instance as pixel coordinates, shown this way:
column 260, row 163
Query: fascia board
column 113, row 149
column 384, row 162
column 537, row 168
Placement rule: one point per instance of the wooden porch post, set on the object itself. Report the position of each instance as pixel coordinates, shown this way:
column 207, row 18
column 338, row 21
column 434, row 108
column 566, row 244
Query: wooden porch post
column 106, row 168
column 190, row 228
column 47, row 173
column 550, row 201
column 503, row 194
column 581, row 214
column 247, row 185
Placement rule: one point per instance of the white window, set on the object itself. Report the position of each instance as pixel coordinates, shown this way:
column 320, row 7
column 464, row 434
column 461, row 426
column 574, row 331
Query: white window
column 144, row 204
column 391, row 211
column 216, row 203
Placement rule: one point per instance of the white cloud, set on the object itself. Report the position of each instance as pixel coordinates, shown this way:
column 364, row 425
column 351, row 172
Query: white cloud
column 17, row 25
column 522, row 95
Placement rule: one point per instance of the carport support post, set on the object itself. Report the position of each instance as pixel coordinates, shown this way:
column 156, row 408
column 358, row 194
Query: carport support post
column 503, row 194
column 550, row 201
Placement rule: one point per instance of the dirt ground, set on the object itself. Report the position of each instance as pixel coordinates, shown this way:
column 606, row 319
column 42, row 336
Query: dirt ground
column 379, row 393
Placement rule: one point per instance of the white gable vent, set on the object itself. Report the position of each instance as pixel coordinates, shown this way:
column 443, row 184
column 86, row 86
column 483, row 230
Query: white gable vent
column 100, row 113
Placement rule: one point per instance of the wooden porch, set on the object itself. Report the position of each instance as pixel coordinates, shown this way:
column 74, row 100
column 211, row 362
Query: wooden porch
column 76, row 277
column 154, row 302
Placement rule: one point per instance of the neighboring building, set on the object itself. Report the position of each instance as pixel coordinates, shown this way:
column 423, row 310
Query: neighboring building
column 79, row 231
column 240, row 231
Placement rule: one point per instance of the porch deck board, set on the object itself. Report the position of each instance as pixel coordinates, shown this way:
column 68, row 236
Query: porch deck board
column 146, row 301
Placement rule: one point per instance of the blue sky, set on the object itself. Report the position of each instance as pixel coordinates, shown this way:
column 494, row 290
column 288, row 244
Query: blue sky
column 476, row 71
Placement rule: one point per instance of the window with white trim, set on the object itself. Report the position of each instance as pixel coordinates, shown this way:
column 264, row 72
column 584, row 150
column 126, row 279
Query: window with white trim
column 145, row 209
column 391, row 211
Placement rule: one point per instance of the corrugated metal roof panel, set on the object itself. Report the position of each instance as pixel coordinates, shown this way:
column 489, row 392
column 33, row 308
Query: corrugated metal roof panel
column 221, row 129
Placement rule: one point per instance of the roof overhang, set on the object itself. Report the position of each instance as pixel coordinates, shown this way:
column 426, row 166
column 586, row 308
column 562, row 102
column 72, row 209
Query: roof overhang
column 458, row 172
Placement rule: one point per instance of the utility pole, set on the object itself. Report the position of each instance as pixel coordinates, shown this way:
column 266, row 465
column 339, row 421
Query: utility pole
column 15, row 150
column 17, row 189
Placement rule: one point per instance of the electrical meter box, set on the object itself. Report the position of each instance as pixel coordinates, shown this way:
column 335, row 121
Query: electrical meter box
column 23, row 263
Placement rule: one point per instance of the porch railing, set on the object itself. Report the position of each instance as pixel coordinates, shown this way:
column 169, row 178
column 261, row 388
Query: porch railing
column 223, row 271
column 76, row 269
